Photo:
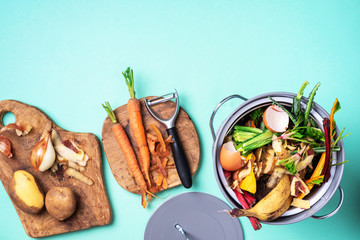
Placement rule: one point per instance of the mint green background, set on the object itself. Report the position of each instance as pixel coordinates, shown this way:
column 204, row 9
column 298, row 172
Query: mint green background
column 66, row 58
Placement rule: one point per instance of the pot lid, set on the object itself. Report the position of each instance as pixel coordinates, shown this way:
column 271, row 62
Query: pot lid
column 198, row 215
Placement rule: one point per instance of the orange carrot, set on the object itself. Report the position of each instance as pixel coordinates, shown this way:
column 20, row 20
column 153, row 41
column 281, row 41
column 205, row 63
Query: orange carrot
column 123, row 140
column 136, row 124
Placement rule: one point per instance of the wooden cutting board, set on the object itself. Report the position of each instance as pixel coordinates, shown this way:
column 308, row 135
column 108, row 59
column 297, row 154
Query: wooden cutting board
column 93, row 208
column 187, row 134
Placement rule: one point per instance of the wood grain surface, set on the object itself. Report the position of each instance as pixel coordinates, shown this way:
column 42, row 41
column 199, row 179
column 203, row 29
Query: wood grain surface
column 93, row 208
column 187, row 134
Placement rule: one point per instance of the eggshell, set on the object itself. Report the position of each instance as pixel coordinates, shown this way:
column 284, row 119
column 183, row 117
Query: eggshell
column 275, row 119
column 230, row 158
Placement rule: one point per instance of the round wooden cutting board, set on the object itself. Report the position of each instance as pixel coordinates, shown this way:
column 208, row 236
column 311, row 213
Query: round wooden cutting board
column 187, row 134
column 93, row 208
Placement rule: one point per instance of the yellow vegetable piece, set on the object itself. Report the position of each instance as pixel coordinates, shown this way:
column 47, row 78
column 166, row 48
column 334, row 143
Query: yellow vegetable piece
column 27, row 189
column 249, row 182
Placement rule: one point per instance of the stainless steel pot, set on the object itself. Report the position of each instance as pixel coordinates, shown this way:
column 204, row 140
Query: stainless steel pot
column 319, row 198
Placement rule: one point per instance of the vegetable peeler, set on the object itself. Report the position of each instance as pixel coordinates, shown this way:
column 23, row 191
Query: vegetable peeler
column 181, row 162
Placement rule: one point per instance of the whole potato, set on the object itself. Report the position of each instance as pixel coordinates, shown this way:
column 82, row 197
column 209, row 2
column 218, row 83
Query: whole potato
column 25, row 192
column 60, row 202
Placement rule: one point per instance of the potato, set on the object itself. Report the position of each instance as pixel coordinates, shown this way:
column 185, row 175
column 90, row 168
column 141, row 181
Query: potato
column 60, row 202
column 25, row 192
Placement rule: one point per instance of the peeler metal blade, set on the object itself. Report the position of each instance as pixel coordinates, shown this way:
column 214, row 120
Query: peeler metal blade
column 169, row 122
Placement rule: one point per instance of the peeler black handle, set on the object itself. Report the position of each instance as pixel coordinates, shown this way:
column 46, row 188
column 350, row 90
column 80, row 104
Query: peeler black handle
column 181, row 163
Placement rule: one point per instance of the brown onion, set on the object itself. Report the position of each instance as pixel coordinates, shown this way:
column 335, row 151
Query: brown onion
column 5, row 146
column 42, row 156
column 21, row 130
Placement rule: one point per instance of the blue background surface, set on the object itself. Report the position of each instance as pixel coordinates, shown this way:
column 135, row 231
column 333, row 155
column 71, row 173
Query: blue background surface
column 66, row 58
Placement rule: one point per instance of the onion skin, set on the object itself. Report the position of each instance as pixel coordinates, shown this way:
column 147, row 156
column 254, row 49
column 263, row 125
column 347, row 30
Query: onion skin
column 5, row 146
column 42, row 156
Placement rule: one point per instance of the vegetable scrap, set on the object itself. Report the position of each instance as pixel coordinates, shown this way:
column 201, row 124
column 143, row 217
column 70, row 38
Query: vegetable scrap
column 5, row 146
column 70, row 157
column 159, row 149
column 20, row 129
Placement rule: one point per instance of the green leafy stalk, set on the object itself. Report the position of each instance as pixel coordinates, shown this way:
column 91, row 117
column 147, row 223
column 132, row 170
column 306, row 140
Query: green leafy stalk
column 242, row 133
column 311, row 132
column 129, row 79
column 335, row 164
column 296, row 107
column 323, row 149
column 255, row 142
column 310, row 103
column 293, row 119
column 247, row 129
column 338, row 139
column 110, row 112
column 241, row 136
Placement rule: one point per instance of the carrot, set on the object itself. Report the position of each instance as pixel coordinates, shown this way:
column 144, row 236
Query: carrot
column 136, row 124
column 123, row 140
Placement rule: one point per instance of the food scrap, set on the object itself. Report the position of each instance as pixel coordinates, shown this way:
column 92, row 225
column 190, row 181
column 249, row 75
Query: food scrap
column 5, row 146
column 71, row 156
column 42, row 156
column 20, row 129
column 159, row 149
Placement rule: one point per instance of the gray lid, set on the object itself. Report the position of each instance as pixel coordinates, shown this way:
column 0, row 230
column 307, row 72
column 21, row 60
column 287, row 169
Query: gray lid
column 200, row 215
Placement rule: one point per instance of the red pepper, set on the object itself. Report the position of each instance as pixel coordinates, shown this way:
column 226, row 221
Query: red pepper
column 326, row 170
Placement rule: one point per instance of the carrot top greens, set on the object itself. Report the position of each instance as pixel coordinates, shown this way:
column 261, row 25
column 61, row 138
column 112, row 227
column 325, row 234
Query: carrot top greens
column 109, row 111
column 129, row 79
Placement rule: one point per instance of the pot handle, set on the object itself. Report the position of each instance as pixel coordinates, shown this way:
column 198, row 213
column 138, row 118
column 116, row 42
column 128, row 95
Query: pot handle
column 336, row 209
column 217, row 108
